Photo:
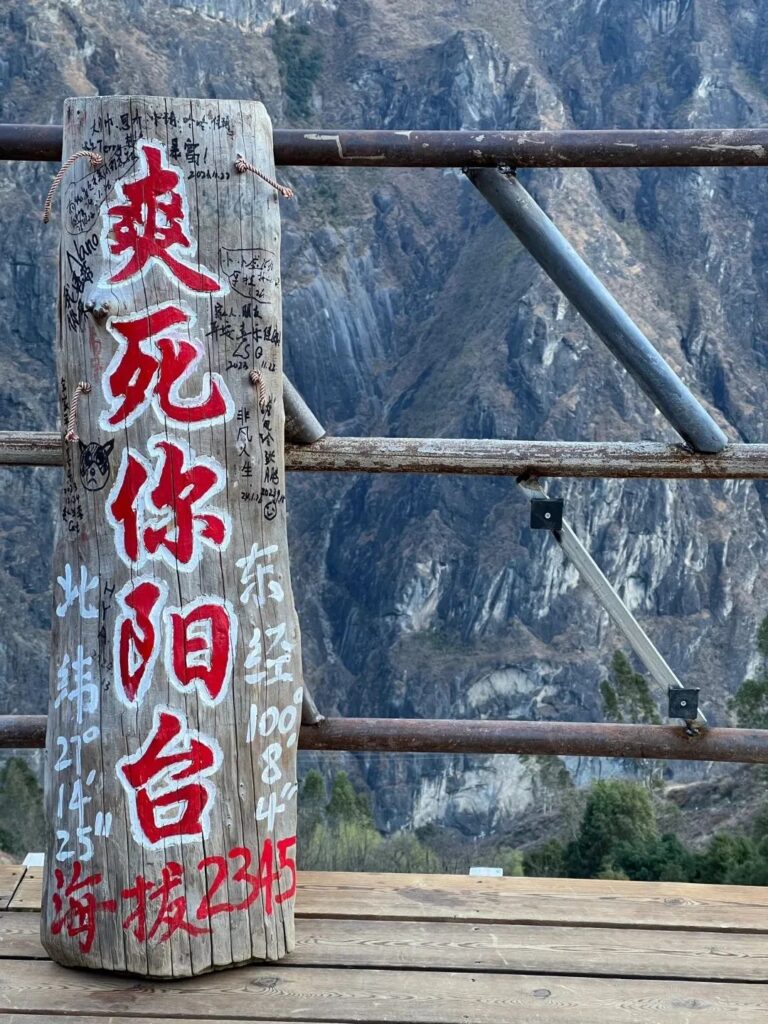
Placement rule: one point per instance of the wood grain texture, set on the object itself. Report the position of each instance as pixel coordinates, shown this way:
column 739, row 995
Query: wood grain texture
column 80, row 1018
column 497, row 948
column 29, row 892
column 491, row 457
column 533, row 900
column 279, row 992
column 65, row 1018
column 223, row 313
column 550, row 901
column 11, row 876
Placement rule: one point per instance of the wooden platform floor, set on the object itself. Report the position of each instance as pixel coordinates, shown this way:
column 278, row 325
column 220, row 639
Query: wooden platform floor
column 439, row 949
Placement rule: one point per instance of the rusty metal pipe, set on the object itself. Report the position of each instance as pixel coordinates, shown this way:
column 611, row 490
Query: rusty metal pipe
column 451, row 736
column 607, row 318
column 301, row 424
column 717, row 147
column 30, row 141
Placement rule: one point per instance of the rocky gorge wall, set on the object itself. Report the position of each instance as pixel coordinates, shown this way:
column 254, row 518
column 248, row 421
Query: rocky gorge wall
column 411, row 310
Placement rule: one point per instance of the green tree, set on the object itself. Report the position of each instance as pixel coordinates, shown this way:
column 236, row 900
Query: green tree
column 741, row 863
column 341, row 835
column 625, row 696
column 22, row 819
column 762, row 640
column 749, row 705
column 345, row 805
column 552, row 783
column 654, row 859
column 404, row 851
column 617, row 812
column 724, row 859
column 311, row 807
column 300, row 61
column 546, row 860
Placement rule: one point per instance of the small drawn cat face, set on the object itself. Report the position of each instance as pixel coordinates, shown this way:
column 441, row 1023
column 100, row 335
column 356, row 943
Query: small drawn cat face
column 94, row 464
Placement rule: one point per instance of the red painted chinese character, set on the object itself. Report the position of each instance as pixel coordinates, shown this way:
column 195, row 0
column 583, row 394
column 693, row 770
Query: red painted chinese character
column 136, row 639
column 76, row 906
column 200, row 639
column 170, row 520
column 171, row 913
column 154, row 361
column 123, row 506
column 184, row 491
column 150, row 224
column 166, row 780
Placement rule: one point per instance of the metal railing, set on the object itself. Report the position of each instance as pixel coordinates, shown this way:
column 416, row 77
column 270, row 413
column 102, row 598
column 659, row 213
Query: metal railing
column 704, row 454
column 331, row 147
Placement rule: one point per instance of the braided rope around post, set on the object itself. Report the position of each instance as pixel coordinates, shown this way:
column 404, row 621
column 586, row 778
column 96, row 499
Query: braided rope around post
column 83, row 388
column 96, row 161
column 242, row 165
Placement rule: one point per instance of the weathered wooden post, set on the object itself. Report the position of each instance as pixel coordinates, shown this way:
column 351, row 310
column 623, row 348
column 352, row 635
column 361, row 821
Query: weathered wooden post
column 176, row 674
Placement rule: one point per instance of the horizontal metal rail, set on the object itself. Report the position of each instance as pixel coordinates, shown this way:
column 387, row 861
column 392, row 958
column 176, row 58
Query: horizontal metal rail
column 717, row 147
column 452, row 736
column 598, row 459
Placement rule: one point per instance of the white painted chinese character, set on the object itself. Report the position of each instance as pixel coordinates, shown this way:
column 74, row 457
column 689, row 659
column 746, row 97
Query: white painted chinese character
column 274, row 666
column 83, row 693
column 254, row 576
column 77, row 592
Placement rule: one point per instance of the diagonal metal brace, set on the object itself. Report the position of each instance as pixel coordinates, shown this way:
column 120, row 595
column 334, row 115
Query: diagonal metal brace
column 301, row 424
column 602, row 312
column 605, row 593
column 310, row 714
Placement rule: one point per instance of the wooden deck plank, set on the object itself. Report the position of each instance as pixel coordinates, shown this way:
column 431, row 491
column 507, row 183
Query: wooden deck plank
column 276, row 992
column 530, row 949
column 58, row 1018
column 556, row 901
column 10, row 877
column 553, row 901
column 29, row 892
column 20, row 936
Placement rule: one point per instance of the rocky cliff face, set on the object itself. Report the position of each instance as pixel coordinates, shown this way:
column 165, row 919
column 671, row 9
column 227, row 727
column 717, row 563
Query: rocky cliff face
column 411, row 310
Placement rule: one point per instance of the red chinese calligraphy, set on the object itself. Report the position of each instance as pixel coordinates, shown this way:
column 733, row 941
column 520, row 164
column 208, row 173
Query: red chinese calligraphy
column 150, row 216
column 136, row 638
column 263, row 883
column 167, row 782
column 155, row 360
column 155, row 909
column 200, row 640
column 76, row 906
column 167, row 517
column 123, row 509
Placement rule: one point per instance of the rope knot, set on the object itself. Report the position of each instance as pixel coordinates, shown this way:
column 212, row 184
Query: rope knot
column 242, row 165
column 83, row 388
column 258, row 382
column 96, row 161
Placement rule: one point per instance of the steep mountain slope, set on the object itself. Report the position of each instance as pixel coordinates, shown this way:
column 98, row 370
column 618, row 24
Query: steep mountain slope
column 411, row 310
